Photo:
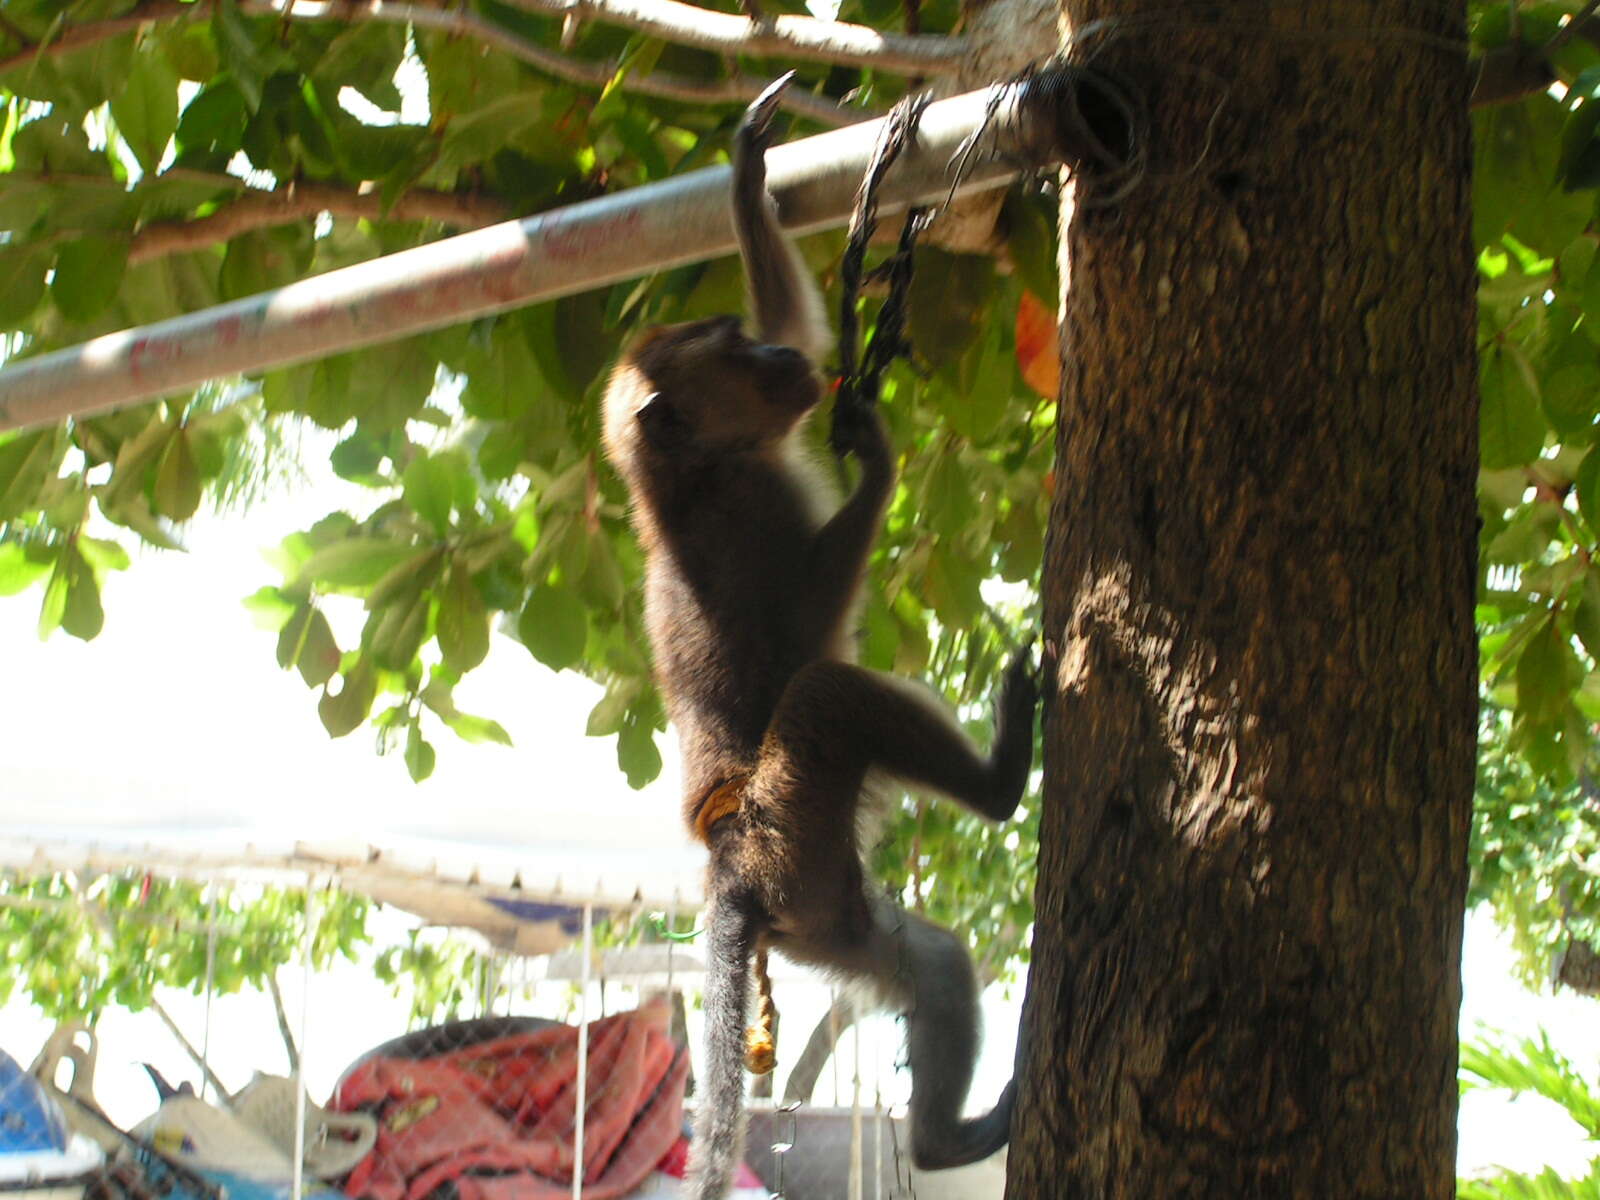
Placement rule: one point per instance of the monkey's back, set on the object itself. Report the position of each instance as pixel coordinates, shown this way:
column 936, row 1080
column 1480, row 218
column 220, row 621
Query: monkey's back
column 726, row 585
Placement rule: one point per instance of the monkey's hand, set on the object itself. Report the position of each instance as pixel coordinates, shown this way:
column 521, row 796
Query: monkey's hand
column 750, row 144
column 858, row 430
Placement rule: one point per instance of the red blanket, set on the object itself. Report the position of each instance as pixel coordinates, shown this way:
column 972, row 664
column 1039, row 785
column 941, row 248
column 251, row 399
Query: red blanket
column 497, row 1119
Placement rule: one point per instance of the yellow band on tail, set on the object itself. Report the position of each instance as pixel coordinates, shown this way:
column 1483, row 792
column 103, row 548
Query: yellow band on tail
column 760, row 1040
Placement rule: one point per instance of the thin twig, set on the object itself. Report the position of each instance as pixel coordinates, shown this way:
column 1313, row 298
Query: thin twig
column 188, row 1047
column 1572, row 28
column 302, row 201
column 792, row 37
column 75, row 37
column 104, row 927
column 287, row 1033
column 740, row 88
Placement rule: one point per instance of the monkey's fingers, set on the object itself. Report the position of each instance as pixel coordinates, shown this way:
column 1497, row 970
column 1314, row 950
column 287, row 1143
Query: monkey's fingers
column 757, row 122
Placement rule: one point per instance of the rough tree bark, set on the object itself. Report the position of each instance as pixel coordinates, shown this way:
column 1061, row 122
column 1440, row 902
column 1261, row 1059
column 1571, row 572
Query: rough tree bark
column 1259, row 584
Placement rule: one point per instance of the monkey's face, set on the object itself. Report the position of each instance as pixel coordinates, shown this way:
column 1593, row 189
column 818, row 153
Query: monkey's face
column 707, row 386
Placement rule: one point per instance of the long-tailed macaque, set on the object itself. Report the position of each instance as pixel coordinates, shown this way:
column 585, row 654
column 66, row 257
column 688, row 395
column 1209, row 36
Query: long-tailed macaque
column 751, row 582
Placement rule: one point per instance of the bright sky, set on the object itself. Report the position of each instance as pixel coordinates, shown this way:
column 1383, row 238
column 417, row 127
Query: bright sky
column 178, row 716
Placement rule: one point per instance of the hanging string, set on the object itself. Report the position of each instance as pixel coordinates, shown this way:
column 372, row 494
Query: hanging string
column 861, row 375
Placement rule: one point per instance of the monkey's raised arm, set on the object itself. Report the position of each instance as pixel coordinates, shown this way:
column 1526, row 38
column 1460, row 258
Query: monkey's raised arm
column 783, row 296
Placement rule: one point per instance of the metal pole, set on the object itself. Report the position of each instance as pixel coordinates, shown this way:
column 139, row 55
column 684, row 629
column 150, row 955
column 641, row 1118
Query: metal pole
column 582, row 1101
column 211, row 975
column 313, row 916
column 558, row 253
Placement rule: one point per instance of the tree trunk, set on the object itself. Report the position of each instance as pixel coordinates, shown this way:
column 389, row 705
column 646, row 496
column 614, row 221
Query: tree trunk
column 1258, row 599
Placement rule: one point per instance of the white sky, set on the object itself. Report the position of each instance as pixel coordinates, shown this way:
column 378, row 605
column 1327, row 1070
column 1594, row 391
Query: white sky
column 178, row 716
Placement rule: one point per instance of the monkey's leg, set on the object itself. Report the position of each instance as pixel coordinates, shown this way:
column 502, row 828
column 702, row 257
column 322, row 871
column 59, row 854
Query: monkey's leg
column 835, row 720
column 731, row 923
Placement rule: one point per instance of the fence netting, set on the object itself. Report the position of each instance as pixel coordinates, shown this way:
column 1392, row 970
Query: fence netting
column 389, row 1060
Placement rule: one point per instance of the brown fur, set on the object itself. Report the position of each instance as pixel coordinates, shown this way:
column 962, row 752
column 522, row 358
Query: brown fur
column 752, row 576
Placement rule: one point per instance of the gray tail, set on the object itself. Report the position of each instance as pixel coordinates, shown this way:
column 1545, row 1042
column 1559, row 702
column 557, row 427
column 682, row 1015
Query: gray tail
column 719, row 1121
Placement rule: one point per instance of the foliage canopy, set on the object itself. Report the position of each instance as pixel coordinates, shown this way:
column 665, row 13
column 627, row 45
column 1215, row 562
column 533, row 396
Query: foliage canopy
column 159, row 157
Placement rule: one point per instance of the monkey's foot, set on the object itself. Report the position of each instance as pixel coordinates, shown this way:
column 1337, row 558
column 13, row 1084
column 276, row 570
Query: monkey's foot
column 1011, row 756
column 1019, row 691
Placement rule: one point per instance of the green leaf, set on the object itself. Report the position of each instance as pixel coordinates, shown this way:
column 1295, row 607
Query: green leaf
column 1543, row 681
column 211, row 127
column 419, row 754
column 54, row 603
column 1029, row 219
column 177, row 486
column 191, row 52
column 81, row 615
column 1586, row 617
column 358, row 458
column 389, row 385
column 270, row 608
column 554, row 626
column 477, row 730
column 463, row 627
column 434, row 484
column 1587, row 484
column 607, row 716
column 22, row 272
column 27, row 462
column 248, row 58
column 949, row 294
column 88, row 273
column 1511, row 426
column 102, row 554
column 398, row 631
column 407, row 578
column 1516, row 182
column 1571, row 397
column 357, row 562
column 306, row 642
column 1525, row 536
column 342, row 712
column 637, row 753
column 20, row 570
column 146, row 111
column 263, row 259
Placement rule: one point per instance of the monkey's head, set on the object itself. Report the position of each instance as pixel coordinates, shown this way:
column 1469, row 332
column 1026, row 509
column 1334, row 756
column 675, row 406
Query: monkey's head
column 703, row 389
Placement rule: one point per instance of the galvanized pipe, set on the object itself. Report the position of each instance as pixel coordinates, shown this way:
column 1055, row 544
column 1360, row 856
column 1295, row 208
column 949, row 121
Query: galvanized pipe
column 558, row 253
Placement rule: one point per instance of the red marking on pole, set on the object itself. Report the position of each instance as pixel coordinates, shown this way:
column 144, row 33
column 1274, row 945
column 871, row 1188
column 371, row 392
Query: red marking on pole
column 152, row 354
column 561, row 242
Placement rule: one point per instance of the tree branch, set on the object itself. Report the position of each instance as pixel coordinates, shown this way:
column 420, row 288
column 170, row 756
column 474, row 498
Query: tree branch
column 188, row 1046
column 853, row 42
column 741, row 88
column 791, row 37
column 284, row 1031
column 301, row 201
column 75, row 37
column 1508, row 73
column 825, row 1035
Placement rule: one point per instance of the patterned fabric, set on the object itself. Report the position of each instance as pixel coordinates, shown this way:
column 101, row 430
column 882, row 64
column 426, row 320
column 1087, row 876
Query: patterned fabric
column 497, row 1120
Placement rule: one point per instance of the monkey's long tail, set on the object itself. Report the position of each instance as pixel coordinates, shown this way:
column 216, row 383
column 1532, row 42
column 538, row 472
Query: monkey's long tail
column 719, row 1116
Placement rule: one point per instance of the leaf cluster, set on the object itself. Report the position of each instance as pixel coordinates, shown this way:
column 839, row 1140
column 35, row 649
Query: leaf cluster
column 1532, row 1065
column 74, row 945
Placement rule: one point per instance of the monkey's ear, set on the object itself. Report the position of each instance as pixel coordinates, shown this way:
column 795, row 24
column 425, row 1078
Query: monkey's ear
column 661, row 423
